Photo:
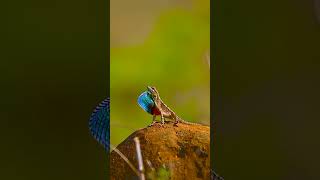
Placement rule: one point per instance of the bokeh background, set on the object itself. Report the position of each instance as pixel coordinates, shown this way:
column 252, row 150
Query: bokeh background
column 165, row 44
column 266, row 89
column 53, row 72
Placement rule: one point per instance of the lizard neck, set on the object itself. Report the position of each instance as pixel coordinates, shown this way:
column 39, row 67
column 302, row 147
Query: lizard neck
column 158, row 102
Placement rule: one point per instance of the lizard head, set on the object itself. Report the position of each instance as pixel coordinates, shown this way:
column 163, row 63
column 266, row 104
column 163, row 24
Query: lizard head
column 154, row 93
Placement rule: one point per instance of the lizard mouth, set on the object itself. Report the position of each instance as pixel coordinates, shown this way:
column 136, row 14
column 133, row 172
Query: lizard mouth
column 150, row 89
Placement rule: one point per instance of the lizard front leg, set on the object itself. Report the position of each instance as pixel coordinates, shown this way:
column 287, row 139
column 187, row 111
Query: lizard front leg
column 162, row 118
column 153, row 120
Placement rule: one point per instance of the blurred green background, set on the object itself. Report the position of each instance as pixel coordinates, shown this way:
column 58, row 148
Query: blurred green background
column 266, row 89
column 53, row 72
column 163, row 44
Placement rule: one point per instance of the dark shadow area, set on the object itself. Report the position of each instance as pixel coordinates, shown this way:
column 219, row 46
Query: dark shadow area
column 54, row 71
column 265, row 89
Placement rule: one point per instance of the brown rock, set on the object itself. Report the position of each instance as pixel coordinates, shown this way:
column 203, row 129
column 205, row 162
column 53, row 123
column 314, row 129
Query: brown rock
column 184, row 151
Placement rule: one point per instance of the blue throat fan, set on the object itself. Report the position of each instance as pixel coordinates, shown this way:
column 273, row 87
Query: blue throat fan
column 99, row 123
column 146, row 102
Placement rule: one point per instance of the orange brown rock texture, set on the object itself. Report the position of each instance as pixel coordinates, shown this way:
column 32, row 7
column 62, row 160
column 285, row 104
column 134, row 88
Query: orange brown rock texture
column 183, row 150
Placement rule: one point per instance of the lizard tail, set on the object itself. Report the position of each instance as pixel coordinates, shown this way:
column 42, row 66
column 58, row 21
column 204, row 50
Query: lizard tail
column 180, row 120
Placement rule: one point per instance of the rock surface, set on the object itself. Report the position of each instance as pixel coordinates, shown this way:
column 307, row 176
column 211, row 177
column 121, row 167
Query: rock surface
column 183, row 151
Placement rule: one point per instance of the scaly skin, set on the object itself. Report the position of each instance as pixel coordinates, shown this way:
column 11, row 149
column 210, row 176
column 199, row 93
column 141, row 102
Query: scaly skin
column 165, row 111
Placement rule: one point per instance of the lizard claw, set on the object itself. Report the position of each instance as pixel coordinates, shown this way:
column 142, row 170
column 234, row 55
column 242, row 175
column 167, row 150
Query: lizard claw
column 161, row 124
column 152, row 124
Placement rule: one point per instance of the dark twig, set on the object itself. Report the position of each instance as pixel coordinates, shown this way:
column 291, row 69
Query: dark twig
column 215, row 176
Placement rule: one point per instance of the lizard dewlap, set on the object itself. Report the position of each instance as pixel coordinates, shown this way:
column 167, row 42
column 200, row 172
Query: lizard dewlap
column 99, row 123
column 145, row 102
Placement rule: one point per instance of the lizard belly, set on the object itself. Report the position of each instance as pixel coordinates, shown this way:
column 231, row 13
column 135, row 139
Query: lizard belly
column 156, row 111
